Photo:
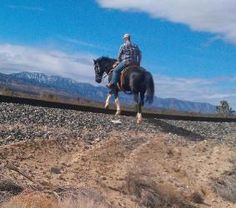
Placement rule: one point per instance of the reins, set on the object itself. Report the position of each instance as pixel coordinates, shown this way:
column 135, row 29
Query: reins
column 108, row 74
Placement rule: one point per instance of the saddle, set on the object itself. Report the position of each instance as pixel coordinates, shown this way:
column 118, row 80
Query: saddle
column 124, row 73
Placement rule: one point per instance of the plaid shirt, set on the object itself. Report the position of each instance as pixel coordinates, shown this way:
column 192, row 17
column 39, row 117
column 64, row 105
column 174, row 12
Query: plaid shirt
column 130, row 53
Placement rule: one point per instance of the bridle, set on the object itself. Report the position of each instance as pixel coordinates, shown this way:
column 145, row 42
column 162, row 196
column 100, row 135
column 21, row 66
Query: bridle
column 106, row 74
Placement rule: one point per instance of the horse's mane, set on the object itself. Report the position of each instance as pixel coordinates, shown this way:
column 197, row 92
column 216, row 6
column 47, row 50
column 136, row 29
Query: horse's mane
column 105, row 58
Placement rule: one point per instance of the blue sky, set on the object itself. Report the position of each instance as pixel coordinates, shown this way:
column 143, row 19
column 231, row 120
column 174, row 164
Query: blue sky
column 189, row 46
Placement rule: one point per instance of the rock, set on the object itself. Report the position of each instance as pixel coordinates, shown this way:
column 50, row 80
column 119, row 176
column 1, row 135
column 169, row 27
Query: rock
column 56, row 170
column 46, row 183
column 10, row 186
column 197, row 198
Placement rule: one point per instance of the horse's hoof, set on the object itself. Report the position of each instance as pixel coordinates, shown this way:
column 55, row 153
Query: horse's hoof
column 139, row 121
column 117, row 113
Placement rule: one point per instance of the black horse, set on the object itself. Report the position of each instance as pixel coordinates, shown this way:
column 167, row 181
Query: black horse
column 137, row 81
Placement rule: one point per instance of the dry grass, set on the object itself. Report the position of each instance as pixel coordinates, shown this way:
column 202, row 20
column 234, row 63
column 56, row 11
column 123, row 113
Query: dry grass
column 226, row 186
column 36, row 200
column 84, row 203
column 152, row 195
column 39, row 200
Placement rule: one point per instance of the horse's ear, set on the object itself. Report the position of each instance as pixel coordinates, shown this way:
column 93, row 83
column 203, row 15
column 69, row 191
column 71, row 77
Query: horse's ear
column 94, row 61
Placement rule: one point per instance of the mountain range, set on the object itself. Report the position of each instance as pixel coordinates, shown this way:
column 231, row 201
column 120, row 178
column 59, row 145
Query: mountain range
column 72, row 88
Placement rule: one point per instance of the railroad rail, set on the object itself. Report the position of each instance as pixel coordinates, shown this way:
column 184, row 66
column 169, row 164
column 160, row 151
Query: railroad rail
column 151, row 115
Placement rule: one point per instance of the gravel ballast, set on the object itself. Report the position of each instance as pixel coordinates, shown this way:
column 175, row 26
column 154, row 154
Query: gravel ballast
column 24, row 122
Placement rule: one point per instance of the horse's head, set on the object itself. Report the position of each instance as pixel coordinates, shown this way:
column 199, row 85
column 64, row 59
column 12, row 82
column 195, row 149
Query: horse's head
column 99, row 71
column 102, row 65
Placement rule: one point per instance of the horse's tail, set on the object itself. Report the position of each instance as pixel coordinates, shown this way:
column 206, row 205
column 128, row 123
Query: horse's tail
column 149, row 87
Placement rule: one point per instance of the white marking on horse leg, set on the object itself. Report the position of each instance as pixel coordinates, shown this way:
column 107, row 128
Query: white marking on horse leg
column 139, row 118
column 117, row 106
column 107, row 101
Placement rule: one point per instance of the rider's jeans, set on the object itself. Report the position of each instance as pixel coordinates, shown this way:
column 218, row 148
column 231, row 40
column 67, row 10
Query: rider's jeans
column 116, row 72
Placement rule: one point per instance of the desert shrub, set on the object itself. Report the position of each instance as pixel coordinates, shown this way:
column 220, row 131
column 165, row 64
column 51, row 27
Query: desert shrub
column 149, row 194
column 225, row 186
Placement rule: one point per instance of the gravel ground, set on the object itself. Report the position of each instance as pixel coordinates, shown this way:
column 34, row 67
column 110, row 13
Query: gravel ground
column 22, row 122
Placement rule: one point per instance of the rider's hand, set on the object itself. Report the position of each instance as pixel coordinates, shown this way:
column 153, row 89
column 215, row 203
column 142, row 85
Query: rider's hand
column 115, row 64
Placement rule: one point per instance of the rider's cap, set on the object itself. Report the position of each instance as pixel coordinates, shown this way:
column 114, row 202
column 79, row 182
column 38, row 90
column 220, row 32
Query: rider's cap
column 126, row 35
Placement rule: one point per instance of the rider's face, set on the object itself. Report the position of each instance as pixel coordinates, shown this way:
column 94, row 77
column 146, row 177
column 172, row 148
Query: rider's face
column 125, row 39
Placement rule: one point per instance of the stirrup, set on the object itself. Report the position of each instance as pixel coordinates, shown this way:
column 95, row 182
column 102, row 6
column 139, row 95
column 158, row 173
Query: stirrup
column 110, row 85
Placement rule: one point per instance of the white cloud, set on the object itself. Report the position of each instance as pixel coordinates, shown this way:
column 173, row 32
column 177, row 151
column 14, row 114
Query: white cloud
column 215, row 16
column 221, row 96
column 198, row 90
column 77, row 42
column 16, row 58
column 81, row 43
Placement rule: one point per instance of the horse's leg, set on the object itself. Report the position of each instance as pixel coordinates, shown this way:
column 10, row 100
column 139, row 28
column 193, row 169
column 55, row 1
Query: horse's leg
column 140, row 104
column 117, row 102
column 108, row 100
column 136, row 99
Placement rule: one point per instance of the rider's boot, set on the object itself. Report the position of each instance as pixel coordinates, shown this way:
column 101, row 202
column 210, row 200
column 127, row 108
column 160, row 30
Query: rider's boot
column 110, row 85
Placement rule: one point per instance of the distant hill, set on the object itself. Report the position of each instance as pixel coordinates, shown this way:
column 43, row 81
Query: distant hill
column 71, row 88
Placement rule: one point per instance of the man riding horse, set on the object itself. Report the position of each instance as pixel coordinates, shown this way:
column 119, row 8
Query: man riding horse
column 136, row 80
column 129, row 55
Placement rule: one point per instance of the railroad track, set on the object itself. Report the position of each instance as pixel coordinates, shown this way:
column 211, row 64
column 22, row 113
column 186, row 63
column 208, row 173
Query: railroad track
column 151, row 115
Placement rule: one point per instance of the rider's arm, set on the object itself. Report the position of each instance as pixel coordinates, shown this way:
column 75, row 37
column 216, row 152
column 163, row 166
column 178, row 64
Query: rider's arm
column 139, row 56
column 120, row 54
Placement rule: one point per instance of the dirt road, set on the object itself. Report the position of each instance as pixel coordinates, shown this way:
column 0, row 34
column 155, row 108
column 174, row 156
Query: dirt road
column 125, row 170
